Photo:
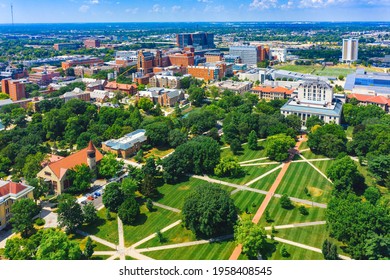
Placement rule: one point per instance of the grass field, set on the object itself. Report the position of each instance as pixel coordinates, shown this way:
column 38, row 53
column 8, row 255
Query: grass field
column 266, row 182
column 305, row 235
column 300, row 176
column 303, row 146
column 103, row 228
column 319, row 70
column 176, row 235
column 323, row 165
column 174, row 195
column 251, row 172
column 246, row 200
column 158, row 152
column 148, row 223
column 211, row 251
column 82, row 240
column 246, row 153
column 283, row 216
column 311, row 155
column 296, row 253
column 349, row 131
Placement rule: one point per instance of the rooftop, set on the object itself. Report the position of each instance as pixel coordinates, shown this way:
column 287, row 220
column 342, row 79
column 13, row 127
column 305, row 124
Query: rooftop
column 333, row 110
column 127, row 141
column 11, row 189
column 370, row 99
column 273, row 89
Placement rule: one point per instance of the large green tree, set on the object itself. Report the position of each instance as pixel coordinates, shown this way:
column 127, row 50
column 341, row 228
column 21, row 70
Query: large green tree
column 252, row 140
column 90, row 213
column 69, row 213
column 229, row 167
column 113, row 197
column 109, row 166
column 252, row 237
column 277, row 146
column 328, row 140
column 23, row 211
column 209, row 211
column 129, row 210
column 80, row 177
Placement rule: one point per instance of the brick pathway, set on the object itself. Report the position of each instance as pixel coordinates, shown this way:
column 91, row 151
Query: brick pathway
column 237, row 251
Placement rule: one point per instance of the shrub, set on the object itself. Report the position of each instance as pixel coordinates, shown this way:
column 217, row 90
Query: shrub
column 40, row 221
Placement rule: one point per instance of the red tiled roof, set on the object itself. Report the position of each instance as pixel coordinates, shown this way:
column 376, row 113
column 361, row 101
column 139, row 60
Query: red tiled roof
column 60, row 167
column 51, row 158
column 370, row 99
column 11, row 188
column 115, row 85
column 274, row 89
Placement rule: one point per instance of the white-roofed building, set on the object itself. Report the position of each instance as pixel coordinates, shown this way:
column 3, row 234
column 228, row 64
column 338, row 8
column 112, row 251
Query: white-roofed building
column 127, row 145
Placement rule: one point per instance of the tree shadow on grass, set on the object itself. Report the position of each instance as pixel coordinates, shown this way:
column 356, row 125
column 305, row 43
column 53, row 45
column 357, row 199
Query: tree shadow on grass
column 268, row 250
column 140, row 220
column 94, row 228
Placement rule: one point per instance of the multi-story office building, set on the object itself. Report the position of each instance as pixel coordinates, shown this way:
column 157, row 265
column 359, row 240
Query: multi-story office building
column 91, row 61
column 199, row 39
column 15, row 89
column 350, row 50
column 92, row 43
column 279, row 54
column 249, row 55
column 208, row 71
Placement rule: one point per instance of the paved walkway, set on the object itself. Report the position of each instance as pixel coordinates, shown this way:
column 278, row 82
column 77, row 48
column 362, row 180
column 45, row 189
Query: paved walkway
column 262, row 176
column 308, row 224
column 121, row 246
column 253, row 160
column 312, row 165
column 237, row 251
column 259, row 163
column 311, row 160
column 185, row 244
column 166, row 207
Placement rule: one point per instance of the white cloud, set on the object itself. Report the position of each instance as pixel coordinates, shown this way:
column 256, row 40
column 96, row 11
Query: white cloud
column 156, row 8
column 263, row 4
column 132, row 11
column 287, row 5
column 176, row 8
column 214, row 9
column 84, row 8
column 94, row 1
column 205, row 1
column 321, row 3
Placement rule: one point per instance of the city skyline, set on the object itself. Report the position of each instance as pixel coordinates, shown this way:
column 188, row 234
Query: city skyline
column 79, row 11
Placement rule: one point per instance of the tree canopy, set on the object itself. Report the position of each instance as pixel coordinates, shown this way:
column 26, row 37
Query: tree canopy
column 277, row 146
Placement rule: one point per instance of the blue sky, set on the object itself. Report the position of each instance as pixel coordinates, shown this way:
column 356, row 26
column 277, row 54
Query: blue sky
column 30, row 11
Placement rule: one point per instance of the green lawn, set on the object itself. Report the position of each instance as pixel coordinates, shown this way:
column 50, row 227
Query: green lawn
column 107, row 230
column 296, row 253
column 311, row 155
column 158, row 152
column 317, row 69
column 176, row 235
column 266, row 182
column 283, row 216
column 82, row 240
column 349, row 131
column 323, row 165
column 251, row 172
column 246, row 153
column 211, row 251
column 363, row 169
column 148, row 223
column 300, row 176
column 174, row 195
column 313, row 236
column 246, row 200
column 303, row 146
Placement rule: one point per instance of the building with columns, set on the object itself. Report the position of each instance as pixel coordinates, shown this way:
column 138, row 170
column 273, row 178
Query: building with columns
column 315, row 98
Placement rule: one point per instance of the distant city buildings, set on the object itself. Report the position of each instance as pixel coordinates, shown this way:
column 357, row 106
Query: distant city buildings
column 350, row 50
column 165, row 80
column 279, row 54
column 364, row 100
column 315, row 98
column 92, row 43
column 208, row 71
column 198, row 40
column 272, row 93
column 10, row 192
column 66, row 46
column 91, row 61
column 236, row 87
column 130, row 89
column 127, row 145
column 249, row 54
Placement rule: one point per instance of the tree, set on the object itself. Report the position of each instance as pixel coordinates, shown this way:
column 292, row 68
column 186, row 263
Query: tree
column 80, row 177
column 113, row 197
column 176, row 137
column 377, row 247
column 157, row 133
column 277, row 146
column 252, row 237
column 379, row 166
column 235, row 146
column 55, row 245
column 303, row 210
column 41, row 188
column 33, row 165
column 329, row 250
column 328, row 140
column 89, row 213
column 285, row 202
column 129, row 186
column 109, row 166
column 345, row 175
column 148, row 185
column 313, row 121
column 89, row 248
column 149, row 204
column 196, row 95
column 252, row 140
column 69, row 213
column 209, row 211
column 23, row 211
column 128, row 211
column 145, row 104
column 283, row 251
column 139, row 157
column 294, row 122
column 372, row 194
column 229, row 167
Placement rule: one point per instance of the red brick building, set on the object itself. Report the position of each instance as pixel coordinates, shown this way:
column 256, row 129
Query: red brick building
column 129, row 89
column 92, row 43
column 82, row 61
column 15, row 89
